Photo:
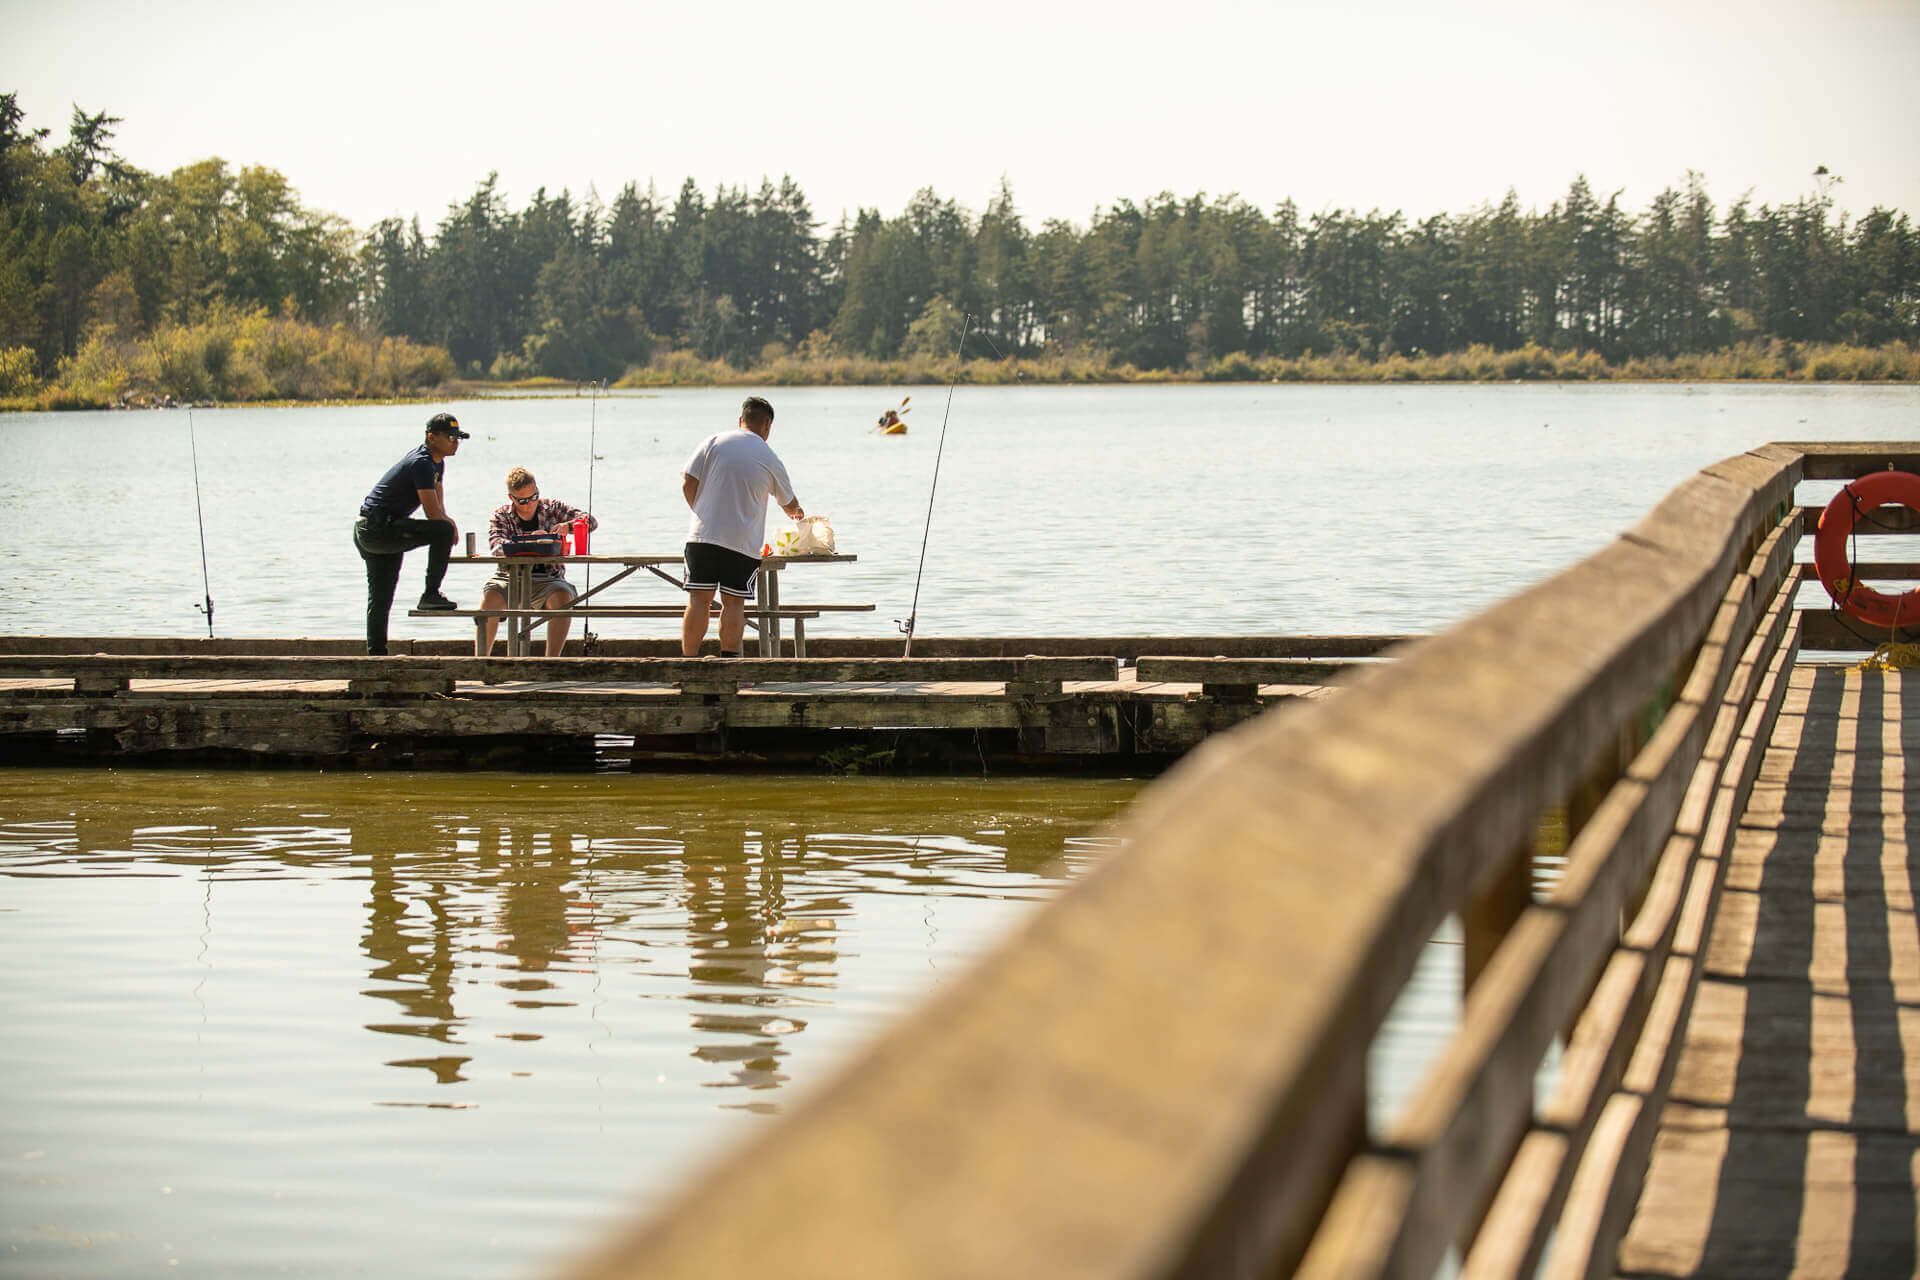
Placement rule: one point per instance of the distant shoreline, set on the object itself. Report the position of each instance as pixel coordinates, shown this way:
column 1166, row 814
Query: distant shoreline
column 491, row 391
column 1771, row 363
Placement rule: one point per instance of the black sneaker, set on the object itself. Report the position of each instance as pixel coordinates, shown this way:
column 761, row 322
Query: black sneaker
column 434, row 600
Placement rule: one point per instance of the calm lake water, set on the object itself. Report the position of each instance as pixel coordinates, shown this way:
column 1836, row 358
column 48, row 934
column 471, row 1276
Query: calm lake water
column 1059, row 510
column 436, row 1025
column 340, row 1025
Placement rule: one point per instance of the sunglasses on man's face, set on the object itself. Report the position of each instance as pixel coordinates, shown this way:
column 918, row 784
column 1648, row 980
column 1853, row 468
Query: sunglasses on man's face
column 532, row 497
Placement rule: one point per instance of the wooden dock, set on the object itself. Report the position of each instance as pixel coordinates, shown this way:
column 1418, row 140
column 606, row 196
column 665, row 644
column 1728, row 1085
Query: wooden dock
column 421, row 710
column 1788, row 1144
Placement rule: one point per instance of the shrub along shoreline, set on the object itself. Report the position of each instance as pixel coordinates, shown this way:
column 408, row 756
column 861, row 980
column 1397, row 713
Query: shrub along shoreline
column 251, row 358
column 231, row 357
column 1774, row 361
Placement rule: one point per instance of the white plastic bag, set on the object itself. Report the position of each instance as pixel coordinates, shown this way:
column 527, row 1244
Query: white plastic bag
column 812, row 536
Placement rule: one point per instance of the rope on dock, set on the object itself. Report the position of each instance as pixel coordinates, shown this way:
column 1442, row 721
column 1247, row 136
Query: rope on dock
column 1892, row 657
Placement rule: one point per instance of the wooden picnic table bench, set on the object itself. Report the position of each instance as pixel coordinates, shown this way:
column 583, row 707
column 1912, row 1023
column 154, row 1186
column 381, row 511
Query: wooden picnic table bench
column 757, row 616
column 764, row 613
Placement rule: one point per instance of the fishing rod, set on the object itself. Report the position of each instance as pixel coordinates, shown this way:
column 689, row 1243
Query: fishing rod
column 593, row 427
column 913, row 611
column 206, row 583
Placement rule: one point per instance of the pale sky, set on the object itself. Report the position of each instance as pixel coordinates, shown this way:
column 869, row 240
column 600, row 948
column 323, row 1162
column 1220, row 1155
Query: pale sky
column 401, row 108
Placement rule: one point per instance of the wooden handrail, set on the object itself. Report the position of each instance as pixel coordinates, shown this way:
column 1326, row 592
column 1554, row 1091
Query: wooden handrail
column 1164, row 1073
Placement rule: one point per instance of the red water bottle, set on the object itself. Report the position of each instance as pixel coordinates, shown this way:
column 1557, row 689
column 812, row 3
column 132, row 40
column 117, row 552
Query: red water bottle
column 579, row 535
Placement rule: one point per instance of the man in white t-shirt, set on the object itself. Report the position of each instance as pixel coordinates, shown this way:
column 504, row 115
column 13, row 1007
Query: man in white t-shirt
column 726, row 482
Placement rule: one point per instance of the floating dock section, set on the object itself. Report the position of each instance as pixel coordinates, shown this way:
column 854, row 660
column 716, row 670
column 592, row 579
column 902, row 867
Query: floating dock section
column 1110, row 703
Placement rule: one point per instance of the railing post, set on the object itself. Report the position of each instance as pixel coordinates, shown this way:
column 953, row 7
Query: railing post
column 1486, row 917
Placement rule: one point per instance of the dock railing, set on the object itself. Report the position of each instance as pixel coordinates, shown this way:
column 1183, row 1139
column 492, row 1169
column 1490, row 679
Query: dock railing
column 1166, row 1071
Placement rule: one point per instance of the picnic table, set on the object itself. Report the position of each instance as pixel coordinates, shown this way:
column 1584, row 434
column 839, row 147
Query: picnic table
column 765, row 613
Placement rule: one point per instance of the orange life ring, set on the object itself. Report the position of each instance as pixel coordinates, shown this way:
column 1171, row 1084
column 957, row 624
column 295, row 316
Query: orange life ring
column 1875, row 608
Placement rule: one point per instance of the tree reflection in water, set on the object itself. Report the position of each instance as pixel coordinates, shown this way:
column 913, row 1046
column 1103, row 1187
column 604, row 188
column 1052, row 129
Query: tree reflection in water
column 521, row 912
column 503, row 1005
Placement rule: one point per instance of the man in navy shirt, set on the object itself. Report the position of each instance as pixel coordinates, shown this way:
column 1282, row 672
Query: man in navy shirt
column 386, row 529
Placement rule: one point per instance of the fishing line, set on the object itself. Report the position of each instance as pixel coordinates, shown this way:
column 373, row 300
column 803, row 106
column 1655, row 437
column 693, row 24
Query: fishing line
column 593, row 426
column 913, row 611
column 206, row 583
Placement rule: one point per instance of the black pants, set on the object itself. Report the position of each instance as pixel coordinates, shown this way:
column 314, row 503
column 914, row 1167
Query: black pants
column 383, row 542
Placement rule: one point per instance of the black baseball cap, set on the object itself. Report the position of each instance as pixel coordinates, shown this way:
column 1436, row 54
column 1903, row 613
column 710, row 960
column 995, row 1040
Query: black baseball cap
column 447, row 425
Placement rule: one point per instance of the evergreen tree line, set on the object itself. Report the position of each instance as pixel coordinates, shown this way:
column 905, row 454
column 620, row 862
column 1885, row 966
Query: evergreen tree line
column 578, row 291
column 92, row 247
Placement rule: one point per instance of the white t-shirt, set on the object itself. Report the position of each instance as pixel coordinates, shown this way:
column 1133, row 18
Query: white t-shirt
column 736, row 470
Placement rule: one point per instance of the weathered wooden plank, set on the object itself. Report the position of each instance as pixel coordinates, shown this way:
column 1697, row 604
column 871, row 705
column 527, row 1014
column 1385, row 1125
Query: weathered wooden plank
column 469, row 719
column 1126, row 648
column 1526, row 1208
column 1847, row 459
column 1068, row 723
column 1598, row 1208
column 826, row 670
column 1243, row 671
column 1898, row 570
column 287, row 729
column 1806, row 1204
column 1886, row 520
column 398, row 684
column 1528, row 1201
column 828, row 712
column 1822, row 628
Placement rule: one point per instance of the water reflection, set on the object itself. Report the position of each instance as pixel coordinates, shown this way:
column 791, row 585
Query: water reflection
column 500, row 910
column 413, row 965
column 296, row 1000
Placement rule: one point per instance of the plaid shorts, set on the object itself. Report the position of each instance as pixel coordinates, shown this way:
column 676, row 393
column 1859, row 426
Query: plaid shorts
column 544, row 585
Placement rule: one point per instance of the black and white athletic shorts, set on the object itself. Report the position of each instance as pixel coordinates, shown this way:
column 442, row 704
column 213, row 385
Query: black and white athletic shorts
column 709, row 568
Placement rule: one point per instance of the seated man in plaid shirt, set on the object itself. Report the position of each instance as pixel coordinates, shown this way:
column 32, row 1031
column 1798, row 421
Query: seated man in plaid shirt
column 526, row 512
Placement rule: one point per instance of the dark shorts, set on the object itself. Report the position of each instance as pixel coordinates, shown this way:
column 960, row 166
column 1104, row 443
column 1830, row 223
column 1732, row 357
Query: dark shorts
column 711, row 568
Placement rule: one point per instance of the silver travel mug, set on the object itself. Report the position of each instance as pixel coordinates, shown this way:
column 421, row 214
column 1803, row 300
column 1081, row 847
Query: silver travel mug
column 469, row 542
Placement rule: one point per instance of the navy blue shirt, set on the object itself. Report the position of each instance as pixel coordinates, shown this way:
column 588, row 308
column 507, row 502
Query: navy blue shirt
column 398, row 492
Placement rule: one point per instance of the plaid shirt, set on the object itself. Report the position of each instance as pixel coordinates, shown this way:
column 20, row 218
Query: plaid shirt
column 548, row 513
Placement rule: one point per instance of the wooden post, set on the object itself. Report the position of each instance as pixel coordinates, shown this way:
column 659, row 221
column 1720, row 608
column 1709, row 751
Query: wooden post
column 1485, row 921
column 1486, row 917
